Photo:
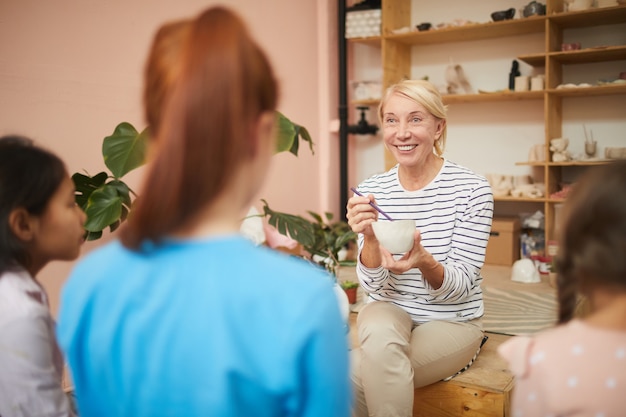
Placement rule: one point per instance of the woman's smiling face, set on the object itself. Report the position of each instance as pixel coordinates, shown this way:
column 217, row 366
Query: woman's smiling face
column 409, row 130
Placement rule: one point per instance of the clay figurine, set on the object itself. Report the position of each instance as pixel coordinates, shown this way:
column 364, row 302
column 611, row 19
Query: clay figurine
column 559, row 150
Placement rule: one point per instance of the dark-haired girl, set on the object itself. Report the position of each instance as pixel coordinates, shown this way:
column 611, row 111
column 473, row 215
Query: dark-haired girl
column 39, row 223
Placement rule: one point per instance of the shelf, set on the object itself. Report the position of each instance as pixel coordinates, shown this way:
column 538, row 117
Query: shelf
column 506, row 95
column 538, row 60
column 590, row 17
column 471, row 32
column 520, row 199
column 602, row 30
column 532, row 164
column 597, row 90
column 583, row 56
column 579, row 163
column 371, row 41
column 368, row 103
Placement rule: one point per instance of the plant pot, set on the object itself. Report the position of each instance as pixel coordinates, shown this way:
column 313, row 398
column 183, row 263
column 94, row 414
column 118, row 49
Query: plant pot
column 351, row 293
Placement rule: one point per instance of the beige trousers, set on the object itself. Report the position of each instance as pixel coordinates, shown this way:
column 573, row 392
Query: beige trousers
column 395, row 356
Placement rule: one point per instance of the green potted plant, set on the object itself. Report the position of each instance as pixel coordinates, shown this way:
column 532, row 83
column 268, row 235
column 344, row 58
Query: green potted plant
column 350, row 287
column 322, row 238
column 107, row 199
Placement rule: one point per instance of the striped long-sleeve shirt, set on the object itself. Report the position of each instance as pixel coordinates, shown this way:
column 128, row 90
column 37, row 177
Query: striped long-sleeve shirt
column 453, row 214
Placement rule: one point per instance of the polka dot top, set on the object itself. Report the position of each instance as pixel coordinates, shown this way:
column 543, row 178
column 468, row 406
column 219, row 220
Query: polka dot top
column 570, row 370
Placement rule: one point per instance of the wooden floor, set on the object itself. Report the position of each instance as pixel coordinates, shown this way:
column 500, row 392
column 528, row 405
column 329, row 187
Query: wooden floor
column 485, row 388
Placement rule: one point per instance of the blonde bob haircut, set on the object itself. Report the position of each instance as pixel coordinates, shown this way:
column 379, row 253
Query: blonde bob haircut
column 424, row 93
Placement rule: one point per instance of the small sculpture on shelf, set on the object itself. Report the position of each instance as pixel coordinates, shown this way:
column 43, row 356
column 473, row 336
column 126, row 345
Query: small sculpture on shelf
column 534, row 9
column 456, row 80
column 501, row 185
column 518, row 186
column 559, row 150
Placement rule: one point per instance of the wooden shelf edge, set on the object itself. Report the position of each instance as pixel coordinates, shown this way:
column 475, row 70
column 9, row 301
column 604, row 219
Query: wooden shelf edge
column 368, row 103
column 532, row 164
column 589, row 17
column 370, row 40
column 534, row 60
column 564, row 164
column 472, row 31
column 580, row 163
column 489, row 97
column 520, row 199
column 587, row 55
column 596, row 90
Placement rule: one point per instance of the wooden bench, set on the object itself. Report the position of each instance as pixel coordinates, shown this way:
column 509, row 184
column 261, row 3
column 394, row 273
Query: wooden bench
column 483, row 390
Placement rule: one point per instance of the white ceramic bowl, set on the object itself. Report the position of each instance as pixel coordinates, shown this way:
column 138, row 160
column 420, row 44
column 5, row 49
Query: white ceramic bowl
column 395, row 236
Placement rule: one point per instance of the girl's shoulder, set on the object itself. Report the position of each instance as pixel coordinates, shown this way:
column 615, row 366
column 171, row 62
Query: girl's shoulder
column 20, row 296
column 555, row 344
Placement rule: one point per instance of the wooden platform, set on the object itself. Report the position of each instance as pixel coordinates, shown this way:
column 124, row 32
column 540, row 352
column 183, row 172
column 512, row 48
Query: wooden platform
column 483, row 390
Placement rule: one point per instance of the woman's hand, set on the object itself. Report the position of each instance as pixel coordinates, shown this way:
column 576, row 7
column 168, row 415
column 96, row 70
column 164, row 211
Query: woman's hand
column 408, row 261
column 361, row 214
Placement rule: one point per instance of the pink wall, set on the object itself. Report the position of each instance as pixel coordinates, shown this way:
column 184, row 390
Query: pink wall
column 71, row 70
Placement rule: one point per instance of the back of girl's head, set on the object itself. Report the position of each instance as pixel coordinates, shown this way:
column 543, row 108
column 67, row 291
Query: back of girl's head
column 225, row 84
column 162, row 69
column 424, row 93
column 592, row 246
column 29, row 177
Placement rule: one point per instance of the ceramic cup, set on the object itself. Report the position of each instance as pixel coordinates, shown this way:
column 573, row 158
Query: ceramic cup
column 522, row 83
column 395, row 236
column 576, row 5
column 537, row 153
column 536, row 83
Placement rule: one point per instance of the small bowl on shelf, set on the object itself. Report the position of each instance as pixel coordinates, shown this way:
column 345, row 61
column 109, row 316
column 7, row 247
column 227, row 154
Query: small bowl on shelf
column 503, row 15
column 423, row 26
column 572, row 46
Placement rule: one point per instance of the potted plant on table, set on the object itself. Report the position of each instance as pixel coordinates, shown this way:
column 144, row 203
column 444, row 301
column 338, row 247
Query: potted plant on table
column 350, row 287
column 325, row 242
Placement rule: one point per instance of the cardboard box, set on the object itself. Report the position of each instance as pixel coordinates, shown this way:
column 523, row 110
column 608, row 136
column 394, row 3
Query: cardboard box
column 504, row 242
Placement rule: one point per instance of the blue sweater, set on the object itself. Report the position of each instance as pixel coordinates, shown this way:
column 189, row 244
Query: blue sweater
column 214, row 327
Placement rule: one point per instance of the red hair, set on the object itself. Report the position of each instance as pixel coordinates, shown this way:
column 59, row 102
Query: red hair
column 162, row 69
column 226, row 83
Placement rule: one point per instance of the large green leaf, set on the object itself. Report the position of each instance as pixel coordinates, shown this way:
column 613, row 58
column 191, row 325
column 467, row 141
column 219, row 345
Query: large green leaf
column 125, row 149
column 296, row 227
column 104, row 208
column 319, row 236
column 85, row 185
column 287, row 135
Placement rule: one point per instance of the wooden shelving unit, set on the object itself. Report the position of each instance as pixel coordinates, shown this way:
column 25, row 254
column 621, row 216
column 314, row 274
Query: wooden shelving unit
column 396, row 51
